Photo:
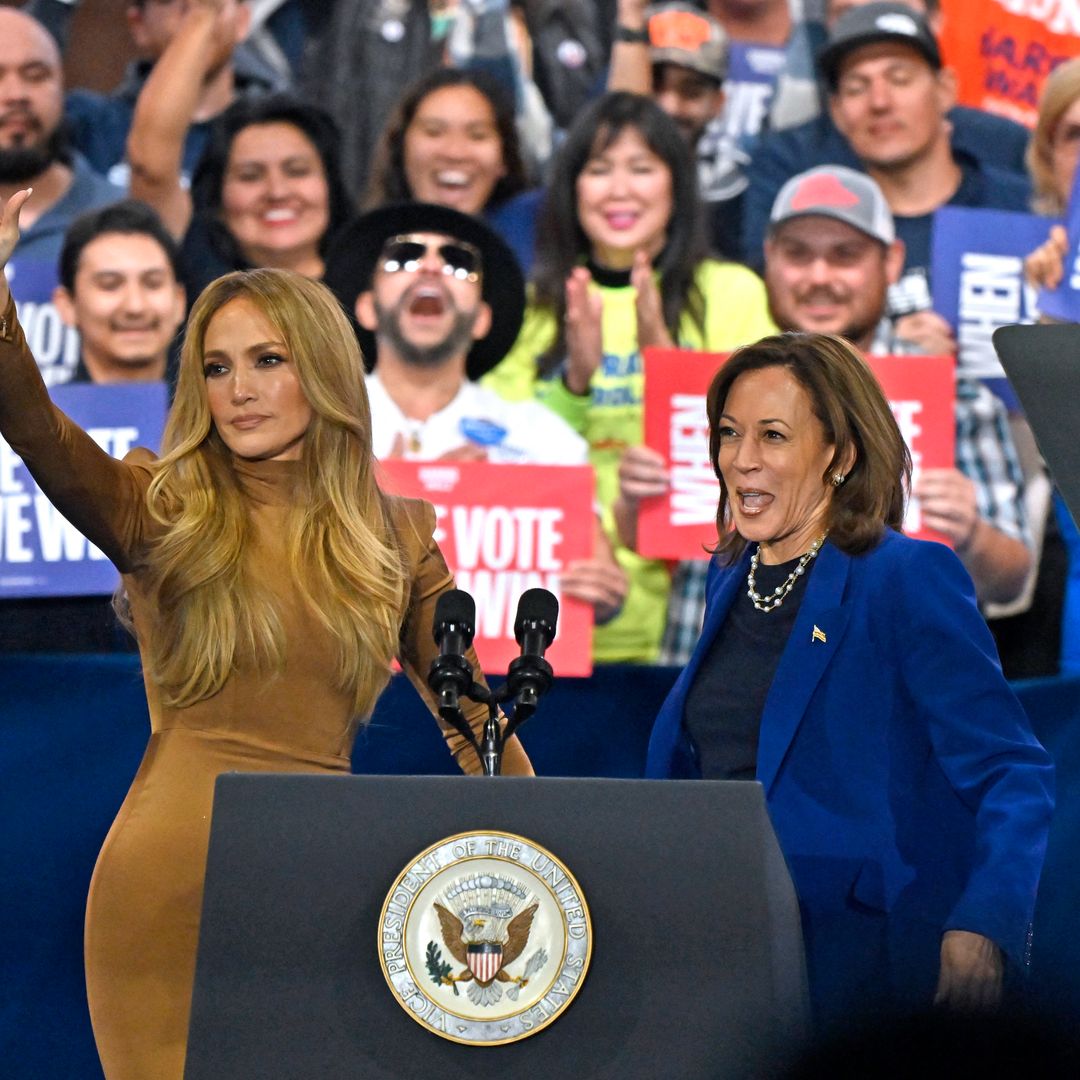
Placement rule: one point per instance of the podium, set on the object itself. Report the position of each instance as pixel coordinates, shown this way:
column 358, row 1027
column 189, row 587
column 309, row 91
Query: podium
column 696, row 966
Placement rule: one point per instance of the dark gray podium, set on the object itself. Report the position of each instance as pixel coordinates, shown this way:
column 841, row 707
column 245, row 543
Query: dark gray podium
column 696, row 971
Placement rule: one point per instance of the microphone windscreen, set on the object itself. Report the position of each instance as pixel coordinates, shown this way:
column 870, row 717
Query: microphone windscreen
column 455, row 606
column 536, row 606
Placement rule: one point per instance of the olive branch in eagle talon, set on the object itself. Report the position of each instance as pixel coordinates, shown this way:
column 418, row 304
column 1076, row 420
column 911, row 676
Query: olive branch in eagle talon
column 437, row 969
column 454, row 937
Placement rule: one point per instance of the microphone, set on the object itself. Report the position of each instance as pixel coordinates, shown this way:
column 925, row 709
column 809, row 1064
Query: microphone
column 530, row 674
column 451, row 675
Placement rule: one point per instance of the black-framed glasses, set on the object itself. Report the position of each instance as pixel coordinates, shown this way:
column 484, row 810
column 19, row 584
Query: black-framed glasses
column 459, row 259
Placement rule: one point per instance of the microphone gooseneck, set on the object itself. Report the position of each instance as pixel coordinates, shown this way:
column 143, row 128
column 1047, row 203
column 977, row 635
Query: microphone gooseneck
column 529, row 675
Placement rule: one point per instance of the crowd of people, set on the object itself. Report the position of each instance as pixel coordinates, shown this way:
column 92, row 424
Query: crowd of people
column 447, row 230
column 612, row 148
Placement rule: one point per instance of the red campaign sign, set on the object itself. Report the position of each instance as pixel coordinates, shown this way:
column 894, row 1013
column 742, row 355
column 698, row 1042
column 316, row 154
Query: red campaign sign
column 504, row 529
column 679, row 525
column 922, row 393
column 1003, row 50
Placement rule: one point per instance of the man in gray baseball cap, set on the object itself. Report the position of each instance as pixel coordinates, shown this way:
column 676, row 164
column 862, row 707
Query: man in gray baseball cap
column 831, row 254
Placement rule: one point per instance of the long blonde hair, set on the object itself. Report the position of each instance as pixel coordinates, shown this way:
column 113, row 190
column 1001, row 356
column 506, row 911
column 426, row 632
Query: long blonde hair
column 343, row 556
column 1060, row 90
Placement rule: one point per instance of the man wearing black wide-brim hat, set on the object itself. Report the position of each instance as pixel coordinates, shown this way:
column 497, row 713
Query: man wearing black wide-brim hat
column 439, row 298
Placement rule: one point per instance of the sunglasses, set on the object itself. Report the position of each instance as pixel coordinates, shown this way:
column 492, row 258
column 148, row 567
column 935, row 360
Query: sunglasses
column 459, row 259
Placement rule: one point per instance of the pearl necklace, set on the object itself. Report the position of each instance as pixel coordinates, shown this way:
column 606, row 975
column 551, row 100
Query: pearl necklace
column 776, row 597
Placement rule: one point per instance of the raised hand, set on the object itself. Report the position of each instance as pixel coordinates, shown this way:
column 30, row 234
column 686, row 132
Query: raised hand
column 651, row 328
column 1045, row 266
column 584, row 331
column 9, row 236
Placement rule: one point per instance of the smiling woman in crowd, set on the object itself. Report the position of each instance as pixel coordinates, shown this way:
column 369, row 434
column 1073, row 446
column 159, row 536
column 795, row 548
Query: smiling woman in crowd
column 453, row 140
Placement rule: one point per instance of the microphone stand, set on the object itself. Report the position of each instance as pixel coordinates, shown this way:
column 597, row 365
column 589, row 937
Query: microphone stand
column 527, row 678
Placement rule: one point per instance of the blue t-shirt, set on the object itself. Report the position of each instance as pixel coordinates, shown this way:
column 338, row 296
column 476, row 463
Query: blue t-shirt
column 99, row 128
column 33, row 273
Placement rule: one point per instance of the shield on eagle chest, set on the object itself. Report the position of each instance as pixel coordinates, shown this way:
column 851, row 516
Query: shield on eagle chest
column 485, row 959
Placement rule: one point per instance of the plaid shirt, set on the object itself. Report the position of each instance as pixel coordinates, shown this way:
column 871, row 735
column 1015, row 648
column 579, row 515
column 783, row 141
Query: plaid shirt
column 985, row 453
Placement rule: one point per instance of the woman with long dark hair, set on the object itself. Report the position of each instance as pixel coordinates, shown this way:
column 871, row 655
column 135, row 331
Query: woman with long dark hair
column 621, row 264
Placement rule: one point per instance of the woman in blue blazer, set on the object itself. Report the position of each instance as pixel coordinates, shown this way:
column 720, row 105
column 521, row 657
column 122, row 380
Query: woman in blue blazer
column 846, row 667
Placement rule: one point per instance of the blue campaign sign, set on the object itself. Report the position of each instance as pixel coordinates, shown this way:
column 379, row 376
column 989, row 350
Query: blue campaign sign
column 41, row 553
column 1063, row 303
column 752, row 72
column 977, row 271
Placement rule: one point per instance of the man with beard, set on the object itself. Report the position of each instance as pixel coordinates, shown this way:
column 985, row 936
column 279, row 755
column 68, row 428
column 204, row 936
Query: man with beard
column 34, row 153
column 439, row 300
column 830, row 256
column 119, row 289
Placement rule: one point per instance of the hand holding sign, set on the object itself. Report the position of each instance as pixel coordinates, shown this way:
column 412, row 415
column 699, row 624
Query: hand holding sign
column 1060, row 297
column 9, row 235
column 643, row 474
column 598, row 581
column 949, row 506
column 929, row 331
column 1045, row 266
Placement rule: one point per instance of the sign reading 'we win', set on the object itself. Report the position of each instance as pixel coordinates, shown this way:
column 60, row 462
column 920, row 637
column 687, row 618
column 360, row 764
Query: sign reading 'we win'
column 679, row 525
column 503, row 529
column 41, row 553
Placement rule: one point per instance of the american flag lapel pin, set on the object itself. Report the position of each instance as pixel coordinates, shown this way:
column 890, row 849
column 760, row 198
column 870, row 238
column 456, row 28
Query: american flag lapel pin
column 817, row 635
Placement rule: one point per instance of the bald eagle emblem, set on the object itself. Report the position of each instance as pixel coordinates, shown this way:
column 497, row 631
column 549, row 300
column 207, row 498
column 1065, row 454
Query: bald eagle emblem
column 485, row 921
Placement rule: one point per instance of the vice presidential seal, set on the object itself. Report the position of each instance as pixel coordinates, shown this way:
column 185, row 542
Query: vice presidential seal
column 485, row 938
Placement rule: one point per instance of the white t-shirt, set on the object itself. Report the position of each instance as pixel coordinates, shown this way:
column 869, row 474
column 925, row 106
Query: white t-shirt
column 521, row 432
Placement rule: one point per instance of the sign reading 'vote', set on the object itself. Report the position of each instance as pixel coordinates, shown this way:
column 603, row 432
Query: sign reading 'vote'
column 503, row 529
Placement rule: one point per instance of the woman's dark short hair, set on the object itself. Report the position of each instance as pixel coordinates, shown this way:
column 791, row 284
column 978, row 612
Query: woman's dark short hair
column 561, row 243
column 209, row 180
column 848, row 401
column 128, row 217
column 388, row 182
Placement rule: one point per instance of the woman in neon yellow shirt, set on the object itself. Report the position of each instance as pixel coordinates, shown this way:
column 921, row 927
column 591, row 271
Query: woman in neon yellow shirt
column 621, row 264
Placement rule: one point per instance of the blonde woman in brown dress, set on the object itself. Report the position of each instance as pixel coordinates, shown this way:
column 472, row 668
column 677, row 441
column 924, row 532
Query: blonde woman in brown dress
column 270, row 585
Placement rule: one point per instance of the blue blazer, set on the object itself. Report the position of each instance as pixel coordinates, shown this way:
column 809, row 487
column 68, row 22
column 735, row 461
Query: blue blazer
column 900, row 771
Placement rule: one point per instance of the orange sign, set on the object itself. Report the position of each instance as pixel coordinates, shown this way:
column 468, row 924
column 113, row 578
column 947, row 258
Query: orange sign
column 1003, row 50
